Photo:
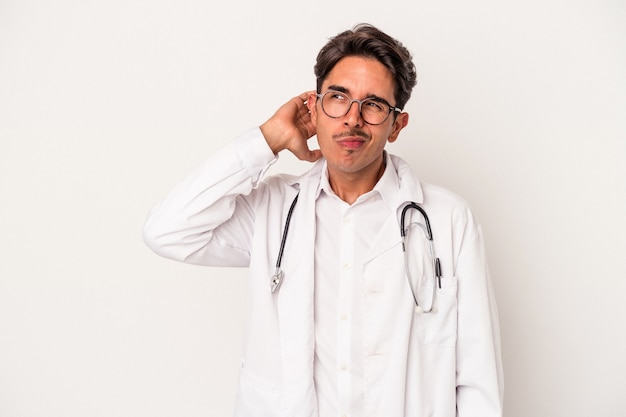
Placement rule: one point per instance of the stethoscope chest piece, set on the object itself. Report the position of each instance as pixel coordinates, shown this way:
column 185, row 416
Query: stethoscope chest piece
column 277, row 279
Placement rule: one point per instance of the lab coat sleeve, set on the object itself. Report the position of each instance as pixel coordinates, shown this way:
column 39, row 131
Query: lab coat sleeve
column 208, row 218
column 479, row 366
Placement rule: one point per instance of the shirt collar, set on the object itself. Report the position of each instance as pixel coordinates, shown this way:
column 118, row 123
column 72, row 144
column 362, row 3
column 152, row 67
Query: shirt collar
column 386, row 187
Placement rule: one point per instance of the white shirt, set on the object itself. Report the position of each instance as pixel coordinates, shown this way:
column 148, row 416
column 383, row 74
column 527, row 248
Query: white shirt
column 344, row 234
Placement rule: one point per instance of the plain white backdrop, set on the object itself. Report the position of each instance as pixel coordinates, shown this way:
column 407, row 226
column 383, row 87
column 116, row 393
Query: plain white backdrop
column 105, row 105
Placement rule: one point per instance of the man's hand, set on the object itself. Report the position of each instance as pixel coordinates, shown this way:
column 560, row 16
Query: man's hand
column 291, row 127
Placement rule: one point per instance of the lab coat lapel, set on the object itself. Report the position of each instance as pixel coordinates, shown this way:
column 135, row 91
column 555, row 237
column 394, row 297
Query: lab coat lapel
column 388, row 238
column 408, row 189
column 296, row 307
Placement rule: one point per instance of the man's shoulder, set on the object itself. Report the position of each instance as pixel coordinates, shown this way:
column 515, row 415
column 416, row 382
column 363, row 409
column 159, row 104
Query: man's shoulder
column 442, row 194
column 433, row 194
column 282, row 180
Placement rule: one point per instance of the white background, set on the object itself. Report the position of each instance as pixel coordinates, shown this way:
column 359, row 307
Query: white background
column 105, row 105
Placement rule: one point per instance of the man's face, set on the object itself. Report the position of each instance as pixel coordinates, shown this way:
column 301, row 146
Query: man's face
column 352, row 147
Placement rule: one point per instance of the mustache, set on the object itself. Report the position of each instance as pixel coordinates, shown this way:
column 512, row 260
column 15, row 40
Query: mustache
column 350, row 133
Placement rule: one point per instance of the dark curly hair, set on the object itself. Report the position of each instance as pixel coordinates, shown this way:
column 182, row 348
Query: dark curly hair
column 367, row 41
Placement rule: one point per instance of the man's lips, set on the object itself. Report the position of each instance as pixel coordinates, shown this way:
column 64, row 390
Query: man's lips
column 351, row 143
column 352, row 140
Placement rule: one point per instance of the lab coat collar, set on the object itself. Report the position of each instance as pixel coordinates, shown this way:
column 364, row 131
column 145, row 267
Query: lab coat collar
column 398, row 175
column 409, row 187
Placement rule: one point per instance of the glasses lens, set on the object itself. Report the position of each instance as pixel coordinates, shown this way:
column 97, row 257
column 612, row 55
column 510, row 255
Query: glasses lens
column 374, row 112
column 336, row 104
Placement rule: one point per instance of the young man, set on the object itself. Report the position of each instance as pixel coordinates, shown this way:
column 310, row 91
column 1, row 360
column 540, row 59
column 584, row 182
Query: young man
column 348, row 316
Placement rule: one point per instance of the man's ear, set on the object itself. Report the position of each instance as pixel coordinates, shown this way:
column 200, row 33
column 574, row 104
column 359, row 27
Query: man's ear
column 398, row 124
column 311, row 104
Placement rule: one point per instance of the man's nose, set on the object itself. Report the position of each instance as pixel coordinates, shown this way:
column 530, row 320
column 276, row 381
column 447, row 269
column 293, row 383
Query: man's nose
column 353, row 117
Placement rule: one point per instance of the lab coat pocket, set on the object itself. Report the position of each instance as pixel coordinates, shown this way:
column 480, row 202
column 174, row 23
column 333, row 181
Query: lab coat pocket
column 439, row 327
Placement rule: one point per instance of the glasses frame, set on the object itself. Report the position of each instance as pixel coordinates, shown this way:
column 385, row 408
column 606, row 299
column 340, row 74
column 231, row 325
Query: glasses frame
column 320, row 96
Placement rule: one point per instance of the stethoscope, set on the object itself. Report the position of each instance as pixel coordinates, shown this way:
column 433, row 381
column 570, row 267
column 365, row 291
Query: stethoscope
column 278, row 276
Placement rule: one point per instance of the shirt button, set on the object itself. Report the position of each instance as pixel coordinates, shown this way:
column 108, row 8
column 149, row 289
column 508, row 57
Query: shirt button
column 344, row 317
column 346, row 267
column 344, row 367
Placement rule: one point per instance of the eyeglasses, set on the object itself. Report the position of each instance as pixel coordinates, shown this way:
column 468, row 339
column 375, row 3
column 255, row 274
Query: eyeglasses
column 374, row 111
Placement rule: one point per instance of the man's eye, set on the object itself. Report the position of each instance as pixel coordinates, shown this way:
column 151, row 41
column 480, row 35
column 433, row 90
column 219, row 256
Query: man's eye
column 374, row 105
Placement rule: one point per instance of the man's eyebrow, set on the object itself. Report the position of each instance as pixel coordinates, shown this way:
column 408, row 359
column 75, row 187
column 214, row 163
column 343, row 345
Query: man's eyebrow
column 346, row 91
column 338, row 88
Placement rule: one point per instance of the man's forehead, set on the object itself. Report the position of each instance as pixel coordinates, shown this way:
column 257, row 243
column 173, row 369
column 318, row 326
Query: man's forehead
column 363, row 77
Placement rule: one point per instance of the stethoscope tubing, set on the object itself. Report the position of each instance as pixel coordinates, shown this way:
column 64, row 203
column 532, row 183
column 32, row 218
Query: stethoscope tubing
column 436, row 264
column 406, row 208
column 278, row 276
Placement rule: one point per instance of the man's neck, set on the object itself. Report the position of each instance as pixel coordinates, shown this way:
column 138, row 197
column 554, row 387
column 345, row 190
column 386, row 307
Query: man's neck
column 350, row 186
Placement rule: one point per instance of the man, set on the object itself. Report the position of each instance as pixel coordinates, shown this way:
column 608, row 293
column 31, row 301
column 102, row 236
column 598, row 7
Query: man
column 339, row 324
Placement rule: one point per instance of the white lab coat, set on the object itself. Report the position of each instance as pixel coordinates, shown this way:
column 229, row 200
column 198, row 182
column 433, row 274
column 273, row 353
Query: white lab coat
column 416, row 365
